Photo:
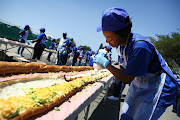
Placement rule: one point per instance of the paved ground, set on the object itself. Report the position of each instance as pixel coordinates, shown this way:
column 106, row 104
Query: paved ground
column 110, row 110
column 98, row 110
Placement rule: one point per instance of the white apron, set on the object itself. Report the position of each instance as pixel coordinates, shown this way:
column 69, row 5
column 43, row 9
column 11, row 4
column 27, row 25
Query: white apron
column 143, row 94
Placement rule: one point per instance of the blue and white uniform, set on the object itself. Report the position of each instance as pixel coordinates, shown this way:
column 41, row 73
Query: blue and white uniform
column 62, row 50
column 39, row 46
column 23, row 36
column 81, row 55
column 154, row 86
column 91, row 60
column 62, row 43
column 43, row 39
column 53, row 47
column 23, row 39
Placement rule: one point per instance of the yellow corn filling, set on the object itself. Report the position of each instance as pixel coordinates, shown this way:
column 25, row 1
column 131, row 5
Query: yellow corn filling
column 40, row 96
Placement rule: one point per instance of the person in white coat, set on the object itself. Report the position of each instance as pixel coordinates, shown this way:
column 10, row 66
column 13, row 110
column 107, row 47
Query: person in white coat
column 153, row 85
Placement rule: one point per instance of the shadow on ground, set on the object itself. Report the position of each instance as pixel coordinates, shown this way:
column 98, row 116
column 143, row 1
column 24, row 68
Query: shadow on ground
column 108, row 110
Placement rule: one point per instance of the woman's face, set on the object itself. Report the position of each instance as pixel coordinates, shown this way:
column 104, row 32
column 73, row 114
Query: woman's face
column 114, row 39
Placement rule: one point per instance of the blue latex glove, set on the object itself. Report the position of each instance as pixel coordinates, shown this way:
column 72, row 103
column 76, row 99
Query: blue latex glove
column 100, row 59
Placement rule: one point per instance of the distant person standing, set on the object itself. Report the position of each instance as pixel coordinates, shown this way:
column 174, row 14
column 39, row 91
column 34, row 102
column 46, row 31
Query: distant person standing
column 91, row 60
column 52, row 47
column 88, row 55
column 81, row 55
column 23, row 39
column 75, row 55
column 71, row 45
column 62, row 49
column 40, row 44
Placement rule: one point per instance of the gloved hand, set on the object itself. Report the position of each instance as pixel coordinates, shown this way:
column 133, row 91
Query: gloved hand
column 100, row 59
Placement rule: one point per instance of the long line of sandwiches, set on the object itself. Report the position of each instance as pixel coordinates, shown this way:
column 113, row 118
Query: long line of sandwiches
column 8, row 68
column 25, row 97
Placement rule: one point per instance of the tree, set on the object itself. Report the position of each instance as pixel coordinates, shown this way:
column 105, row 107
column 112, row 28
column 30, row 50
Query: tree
column 169, row 47
column 85, row 47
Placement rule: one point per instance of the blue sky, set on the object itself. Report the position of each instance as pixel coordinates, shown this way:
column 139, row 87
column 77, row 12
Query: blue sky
column 79, row 18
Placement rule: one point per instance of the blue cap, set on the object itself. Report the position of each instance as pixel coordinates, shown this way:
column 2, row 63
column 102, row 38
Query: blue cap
column 53, row 39
column 74, row 48
column 65, row 33
column 113, row 19
column 27, row 26
column 108, row 47
column 42, row 29
column 89, row 48
column 71, row 39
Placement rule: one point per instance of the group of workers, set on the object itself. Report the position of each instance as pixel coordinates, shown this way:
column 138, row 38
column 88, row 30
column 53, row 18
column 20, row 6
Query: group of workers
column 153, row 85
column 39, row 46
column 64, row 49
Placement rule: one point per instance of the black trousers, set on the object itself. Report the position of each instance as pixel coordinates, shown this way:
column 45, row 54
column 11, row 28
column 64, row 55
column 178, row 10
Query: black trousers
column 64, row 59
column 49, row 55
column 118, row 89
column 38, row 50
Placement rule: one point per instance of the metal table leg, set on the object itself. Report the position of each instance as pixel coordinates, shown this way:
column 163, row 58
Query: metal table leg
column 86, row 114
column 106, row 94
column 4, row 56
column 76, row 118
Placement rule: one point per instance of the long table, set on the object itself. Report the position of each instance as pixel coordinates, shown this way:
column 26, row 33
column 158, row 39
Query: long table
column 18, row 44
column 70, row 109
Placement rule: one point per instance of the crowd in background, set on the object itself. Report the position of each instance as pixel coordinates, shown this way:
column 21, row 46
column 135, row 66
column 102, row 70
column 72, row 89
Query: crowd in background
column 64, row 49
column 67, row 49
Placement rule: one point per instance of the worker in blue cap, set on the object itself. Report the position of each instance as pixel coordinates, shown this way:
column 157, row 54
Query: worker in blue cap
column 153, row 84
column 91, row 60
column 71, row 43
column 62, row 50
column 40, row 44
column 81, row 55
column 75, row 55
column 52, row 47
column 23, row 39
column 88, row 54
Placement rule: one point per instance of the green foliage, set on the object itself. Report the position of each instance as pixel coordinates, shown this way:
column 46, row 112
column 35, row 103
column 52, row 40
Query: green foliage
column 85, row 47
column 57, row 41
column 12, row 32
column 9, row 32
column 74, row 43
column 169, row 48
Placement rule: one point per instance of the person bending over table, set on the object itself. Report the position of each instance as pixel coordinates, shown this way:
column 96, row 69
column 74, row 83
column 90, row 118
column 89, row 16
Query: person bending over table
column 75, row 55
column 40, row 44
column 52, row 47
column 153, row 85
